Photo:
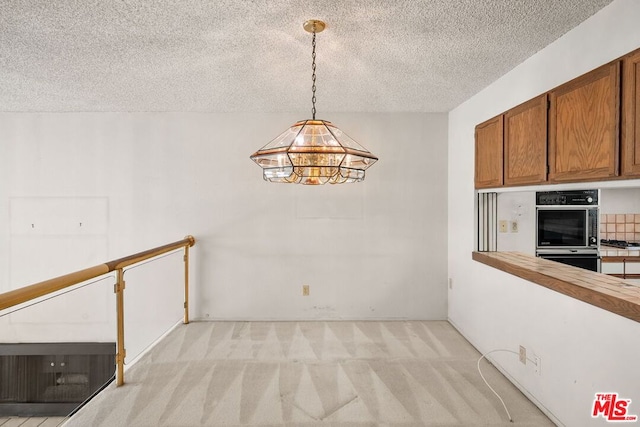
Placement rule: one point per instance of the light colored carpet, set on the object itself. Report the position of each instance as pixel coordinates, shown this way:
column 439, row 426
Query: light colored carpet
column 31, row 421
column 310, row 374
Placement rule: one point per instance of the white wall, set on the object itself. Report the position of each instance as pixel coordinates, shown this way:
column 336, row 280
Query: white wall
column 371, row 250
column 619, row 200
column 518, row 207
column 584, row 350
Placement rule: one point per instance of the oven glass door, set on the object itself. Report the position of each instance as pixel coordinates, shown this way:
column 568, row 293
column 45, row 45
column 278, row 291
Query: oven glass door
column 588, row 262
column 562, row 228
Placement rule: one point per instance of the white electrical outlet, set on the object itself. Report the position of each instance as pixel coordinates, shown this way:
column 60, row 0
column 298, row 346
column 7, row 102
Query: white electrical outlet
column 523, row 355
column 514, row 226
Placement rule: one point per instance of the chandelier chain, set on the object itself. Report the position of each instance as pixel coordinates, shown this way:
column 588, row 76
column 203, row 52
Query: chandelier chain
column 313, row 75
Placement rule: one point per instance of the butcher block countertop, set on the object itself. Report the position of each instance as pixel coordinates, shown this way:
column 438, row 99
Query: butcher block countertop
column 607, row 292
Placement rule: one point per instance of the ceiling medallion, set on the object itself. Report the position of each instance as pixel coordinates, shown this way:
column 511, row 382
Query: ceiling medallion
column 313, row 151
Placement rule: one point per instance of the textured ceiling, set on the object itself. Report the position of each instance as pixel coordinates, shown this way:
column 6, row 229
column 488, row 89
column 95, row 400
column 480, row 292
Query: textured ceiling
column 241, row 55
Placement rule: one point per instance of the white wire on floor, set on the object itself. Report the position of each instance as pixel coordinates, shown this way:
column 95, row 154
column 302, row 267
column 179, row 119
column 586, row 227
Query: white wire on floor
column 485, row 381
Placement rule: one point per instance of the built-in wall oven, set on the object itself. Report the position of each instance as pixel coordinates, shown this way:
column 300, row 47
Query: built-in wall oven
column 567, row 227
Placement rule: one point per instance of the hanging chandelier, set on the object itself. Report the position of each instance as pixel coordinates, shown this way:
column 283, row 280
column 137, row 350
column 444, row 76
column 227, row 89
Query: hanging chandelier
column 313, row 151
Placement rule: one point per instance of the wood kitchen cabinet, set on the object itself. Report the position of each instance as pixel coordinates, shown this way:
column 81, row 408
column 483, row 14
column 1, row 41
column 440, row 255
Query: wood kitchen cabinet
column 584, row 122
column 525, row 143
column 489, row 152
column 630, row 132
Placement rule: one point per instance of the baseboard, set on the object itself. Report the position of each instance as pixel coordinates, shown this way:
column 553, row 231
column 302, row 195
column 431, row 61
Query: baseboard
column 322, row 319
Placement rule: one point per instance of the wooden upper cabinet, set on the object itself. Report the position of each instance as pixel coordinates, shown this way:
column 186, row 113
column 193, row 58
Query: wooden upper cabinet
column 631, row 114
column 525, row 143
column 489, row 138
column 584, row 126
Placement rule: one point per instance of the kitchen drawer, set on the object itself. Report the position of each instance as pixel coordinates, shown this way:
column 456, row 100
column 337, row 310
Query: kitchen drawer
column 612, row 268
column 632, row 267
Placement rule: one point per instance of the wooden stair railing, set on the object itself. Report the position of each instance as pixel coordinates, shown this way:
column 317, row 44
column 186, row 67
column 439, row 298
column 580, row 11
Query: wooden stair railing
column 37, row 290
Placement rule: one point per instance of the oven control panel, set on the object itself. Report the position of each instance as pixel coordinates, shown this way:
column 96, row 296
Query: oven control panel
column 567, row 198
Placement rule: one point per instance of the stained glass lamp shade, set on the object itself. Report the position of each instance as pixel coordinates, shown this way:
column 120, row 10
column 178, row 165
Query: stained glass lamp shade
column 313, row 152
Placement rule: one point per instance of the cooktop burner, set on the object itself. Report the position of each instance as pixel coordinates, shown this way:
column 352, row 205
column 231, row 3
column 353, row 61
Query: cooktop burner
column 621, row 244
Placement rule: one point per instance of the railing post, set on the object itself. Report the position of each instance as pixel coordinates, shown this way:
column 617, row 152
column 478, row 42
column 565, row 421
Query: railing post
column 120, row 350
column 186, row 284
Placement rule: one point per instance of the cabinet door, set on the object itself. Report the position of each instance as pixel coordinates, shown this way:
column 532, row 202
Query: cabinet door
column 583, row 126
column 489, row 138
column 525, row 143
column 631, row 114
